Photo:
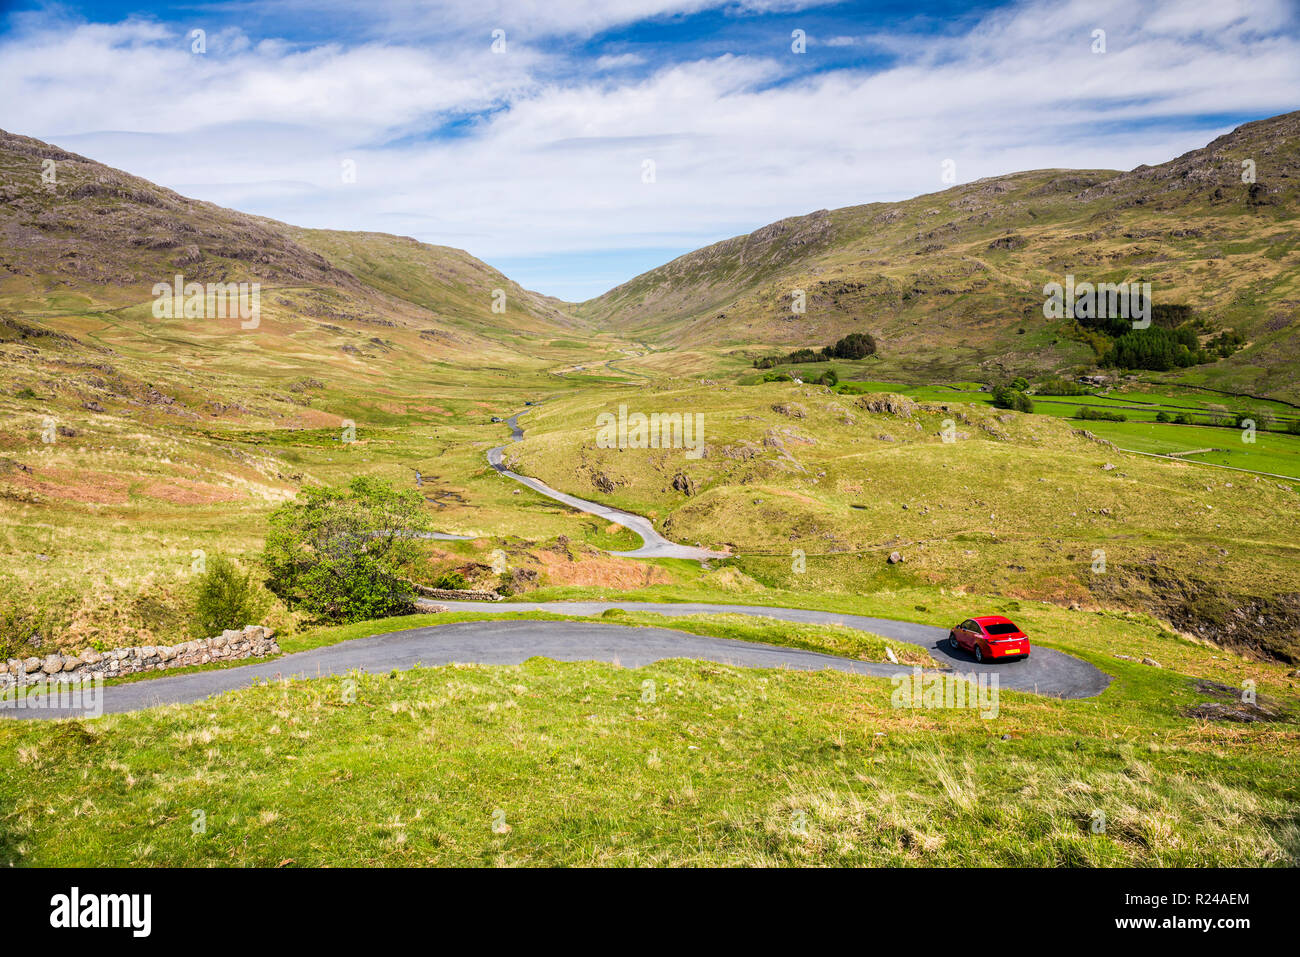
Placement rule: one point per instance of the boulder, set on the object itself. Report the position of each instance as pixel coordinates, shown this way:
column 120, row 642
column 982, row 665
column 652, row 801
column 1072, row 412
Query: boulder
column 896, row 558
column 52, row 665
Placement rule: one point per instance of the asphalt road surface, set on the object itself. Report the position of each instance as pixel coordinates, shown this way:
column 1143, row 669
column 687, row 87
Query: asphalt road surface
column 512, row 642
column 654, row 545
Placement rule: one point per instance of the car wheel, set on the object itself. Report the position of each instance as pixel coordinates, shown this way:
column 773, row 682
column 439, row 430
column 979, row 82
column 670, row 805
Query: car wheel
column 979, row 654
column 952, row 641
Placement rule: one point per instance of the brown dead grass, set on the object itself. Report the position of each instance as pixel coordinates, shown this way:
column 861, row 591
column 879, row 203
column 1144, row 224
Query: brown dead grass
column 599, row 572
column 181, row 491
column 68, row 485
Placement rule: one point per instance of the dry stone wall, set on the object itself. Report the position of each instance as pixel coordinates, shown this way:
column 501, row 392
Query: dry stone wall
column 253, row 641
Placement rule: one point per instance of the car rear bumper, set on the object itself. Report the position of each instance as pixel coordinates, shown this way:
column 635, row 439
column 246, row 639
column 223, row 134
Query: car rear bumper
column 1019, row 649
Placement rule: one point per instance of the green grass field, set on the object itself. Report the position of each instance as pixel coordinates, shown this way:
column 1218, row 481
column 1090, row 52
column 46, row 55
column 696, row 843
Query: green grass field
column 575, row 764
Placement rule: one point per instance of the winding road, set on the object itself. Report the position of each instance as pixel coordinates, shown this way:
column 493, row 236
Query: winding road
column 653, row 545
column 1044, row 672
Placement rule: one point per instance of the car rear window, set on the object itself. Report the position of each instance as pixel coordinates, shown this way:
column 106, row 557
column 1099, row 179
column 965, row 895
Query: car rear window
column 1001, row 629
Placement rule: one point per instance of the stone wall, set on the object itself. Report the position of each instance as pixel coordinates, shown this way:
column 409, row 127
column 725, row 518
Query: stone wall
column 253, row 641
column 447, row 594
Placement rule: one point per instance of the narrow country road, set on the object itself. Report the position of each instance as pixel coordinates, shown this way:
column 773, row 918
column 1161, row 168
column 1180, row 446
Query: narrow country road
column 512, row 642
column 1044, row 672
column 655, row 545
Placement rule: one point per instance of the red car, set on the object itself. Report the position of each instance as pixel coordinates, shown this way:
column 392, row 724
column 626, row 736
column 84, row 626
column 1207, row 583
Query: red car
column 990, row 638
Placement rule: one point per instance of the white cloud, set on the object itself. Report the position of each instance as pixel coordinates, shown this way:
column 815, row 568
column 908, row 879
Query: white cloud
column 557, row 164
column 619, row 61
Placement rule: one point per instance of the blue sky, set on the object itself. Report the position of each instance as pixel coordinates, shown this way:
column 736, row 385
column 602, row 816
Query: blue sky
column 607, row 136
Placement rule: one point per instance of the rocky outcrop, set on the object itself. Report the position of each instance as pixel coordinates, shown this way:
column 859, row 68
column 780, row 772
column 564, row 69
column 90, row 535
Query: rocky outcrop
column 254, row 641
column 887, row 403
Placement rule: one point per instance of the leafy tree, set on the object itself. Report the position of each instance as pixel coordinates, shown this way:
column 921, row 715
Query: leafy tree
column 224, row 597
column 344, row 554
column 1163, row 417
column 1005, row 397
column 1020, row 383
column 856, row 345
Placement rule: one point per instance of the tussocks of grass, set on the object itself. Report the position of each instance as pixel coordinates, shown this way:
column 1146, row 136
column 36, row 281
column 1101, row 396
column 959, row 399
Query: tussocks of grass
column 550, row 763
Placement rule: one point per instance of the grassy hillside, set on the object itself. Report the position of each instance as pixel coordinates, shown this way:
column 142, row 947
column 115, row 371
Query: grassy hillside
column 951, row 283
column 1015, row 504
column 77, row 236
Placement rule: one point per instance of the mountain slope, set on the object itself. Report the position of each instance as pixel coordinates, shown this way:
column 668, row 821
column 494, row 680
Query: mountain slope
column 951, row 282
column 101, row 237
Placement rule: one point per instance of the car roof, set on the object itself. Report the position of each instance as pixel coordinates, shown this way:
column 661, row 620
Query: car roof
column 992, row 620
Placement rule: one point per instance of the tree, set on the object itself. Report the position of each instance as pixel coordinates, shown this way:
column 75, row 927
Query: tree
column 1020, row 383
column 1005, row 397
column 856, row 345
column 344, row 554
column 224, row 597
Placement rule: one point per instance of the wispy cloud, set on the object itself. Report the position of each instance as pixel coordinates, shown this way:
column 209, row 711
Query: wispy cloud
column 542, row 151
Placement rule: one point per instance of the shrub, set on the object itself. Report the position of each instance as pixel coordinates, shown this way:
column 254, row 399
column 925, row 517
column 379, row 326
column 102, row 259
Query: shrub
column 1005, row 397
column 1163, row 417
column 344, row 554
column 856, row 345
column 1219, row 415
column 1058, row 386
column 25, row 624
column 451, row 581
column 224, row 597
column 830, row 377
column 1100, row 415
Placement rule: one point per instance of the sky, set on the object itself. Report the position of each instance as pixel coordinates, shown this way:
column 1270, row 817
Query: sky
column 576, row 143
